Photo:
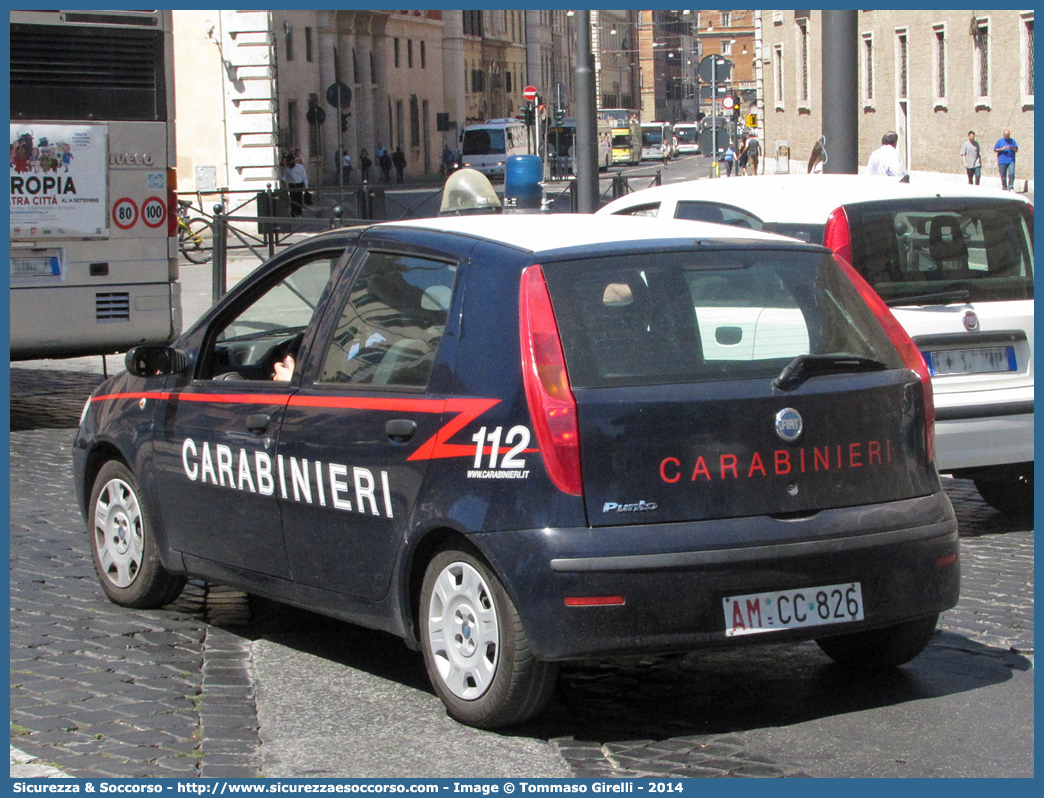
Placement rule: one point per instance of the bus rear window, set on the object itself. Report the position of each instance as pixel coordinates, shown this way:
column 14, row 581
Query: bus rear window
column 73, row 72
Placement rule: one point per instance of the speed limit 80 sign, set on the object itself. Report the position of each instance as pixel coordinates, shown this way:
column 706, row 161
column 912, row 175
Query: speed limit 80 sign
column 125, row 213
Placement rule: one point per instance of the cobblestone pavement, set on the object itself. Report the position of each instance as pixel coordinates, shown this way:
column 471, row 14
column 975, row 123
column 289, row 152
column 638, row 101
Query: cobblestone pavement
column 97, row 690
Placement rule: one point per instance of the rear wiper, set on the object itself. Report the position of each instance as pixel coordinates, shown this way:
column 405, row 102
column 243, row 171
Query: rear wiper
column 804, row 366
column 958, row 295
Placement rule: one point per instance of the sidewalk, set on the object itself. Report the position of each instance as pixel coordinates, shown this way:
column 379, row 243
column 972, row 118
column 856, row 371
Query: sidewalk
column 24, row 766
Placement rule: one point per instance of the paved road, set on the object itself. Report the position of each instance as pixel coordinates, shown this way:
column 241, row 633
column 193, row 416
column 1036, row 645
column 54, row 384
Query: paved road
column 219, row 684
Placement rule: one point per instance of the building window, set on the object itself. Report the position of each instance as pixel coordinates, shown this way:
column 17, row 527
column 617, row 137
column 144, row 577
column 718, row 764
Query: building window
column 355, row 66
column 409, row 53
column 478, row 82
column 777, row 63
column 902, row 65
column 803, row 67
column 981, row 59
column 726, row 47
column 373, row 68
column 507, row 82
column 868, row 67
column 291, row 124
column 396, row 40
column 726, row 19
column 308, row 45
column 397, row 136
column 939, row 64
column 472, row 23
column 1027, row 60
column 424, row 55
column 415, row 136
column 289, row 38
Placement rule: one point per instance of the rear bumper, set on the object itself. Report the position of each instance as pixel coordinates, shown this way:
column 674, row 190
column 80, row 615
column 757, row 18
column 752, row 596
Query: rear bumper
column 673, row 577
column 968, row 439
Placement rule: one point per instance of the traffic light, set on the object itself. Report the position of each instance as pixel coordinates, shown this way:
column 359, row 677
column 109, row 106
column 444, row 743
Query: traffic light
column 736, row 112
column 344, row 122
column 559, row 116
column 752, row 120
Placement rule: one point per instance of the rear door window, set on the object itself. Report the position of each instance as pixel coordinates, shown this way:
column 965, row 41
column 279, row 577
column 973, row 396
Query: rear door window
column 717, row 213
column 982, row 250
column 676, row 317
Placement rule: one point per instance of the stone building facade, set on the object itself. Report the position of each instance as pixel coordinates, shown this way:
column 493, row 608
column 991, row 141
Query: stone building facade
column 931, row 76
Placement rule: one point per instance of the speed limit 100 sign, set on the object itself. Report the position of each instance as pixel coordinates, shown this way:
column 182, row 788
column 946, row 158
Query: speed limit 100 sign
column 154, row 212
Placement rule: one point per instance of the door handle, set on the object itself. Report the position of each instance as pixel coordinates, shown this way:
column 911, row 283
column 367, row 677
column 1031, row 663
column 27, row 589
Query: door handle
column 258, row 423
column 400, row 430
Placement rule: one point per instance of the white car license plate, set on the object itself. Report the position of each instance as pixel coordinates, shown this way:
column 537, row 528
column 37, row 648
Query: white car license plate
column 792, row 609
column 971, row 361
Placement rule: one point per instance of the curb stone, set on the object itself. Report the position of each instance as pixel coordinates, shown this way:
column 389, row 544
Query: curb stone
column 24, row 766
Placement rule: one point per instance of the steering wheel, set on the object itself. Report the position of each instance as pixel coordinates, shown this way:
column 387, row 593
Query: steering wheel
column 278, row 353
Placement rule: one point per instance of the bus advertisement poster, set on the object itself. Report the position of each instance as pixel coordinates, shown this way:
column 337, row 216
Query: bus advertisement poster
column 58, row 181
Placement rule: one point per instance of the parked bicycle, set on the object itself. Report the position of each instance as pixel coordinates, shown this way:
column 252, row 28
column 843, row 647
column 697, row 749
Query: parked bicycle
column 195, row 236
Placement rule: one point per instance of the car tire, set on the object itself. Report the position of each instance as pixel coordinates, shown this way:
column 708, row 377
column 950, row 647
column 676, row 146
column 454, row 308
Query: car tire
column 1011, row 494
column 878, row 649
column 475, row 648
column 122, row 544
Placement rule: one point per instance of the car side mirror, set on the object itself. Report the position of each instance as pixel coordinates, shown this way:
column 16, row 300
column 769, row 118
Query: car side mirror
column 154, row 361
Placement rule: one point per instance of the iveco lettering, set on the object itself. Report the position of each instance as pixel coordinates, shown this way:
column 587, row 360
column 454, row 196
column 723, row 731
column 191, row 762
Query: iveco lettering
column 519, row 440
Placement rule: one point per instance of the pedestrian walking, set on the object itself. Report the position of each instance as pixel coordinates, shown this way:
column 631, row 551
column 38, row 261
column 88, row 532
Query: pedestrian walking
column 753, row 153
column 346, row 167
column 399, row 162
column 741, row 162
column 384, row 163
column 364, row 165
column 295, row 180
column 885, row 161
column 729, row 158
column 1006, row 147
column 972, row 159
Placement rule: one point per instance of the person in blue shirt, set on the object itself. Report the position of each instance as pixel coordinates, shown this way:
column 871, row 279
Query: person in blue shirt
column 1006, row 147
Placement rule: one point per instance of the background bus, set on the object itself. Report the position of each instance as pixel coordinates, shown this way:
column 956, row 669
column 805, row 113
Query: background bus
column 688, row 135
column 487, row 145
column 626, row 134
column 560, row 144
column 94, row 265
column 653, row 136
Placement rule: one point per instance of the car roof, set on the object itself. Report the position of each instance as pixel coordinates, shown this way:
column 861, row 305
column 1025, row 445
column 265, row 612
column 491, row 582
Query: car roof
column 543, row 233
column 801, row 198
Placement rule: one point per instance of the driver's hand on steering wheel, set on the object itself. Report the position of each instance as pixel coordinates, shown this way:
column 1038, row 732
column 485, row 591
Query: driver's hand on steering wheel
column 284, row 369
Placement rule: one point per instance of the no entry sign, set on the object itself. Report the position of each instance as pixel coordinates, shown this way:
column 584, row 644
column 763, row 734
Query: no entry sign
column 530, row 93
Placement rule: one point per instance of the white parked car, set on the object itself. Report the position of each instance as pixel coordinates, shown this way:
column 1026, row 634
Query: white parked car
column 955, row 263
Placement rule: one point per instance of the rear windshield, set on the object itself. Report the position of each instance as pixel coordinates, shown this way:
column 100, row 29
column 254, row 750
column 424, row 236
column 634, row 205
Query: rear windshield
column 942, row 247
column 693, row 317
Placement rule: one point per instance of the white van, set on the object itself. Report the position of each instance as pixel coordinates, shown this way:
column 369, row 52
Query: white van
column 486, row 146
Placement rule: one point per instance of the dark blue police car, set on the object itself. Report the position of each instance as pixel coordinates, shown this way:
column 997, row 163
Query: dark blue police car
column 516, row 440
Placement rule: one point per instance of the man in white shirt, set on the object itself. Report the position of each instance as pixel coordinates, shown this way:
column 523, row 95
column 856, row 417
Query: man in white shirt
column 885, row 159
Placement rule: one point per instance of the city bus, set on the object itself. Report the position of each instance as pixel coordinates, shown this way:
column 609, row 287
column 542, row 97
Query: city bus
column 654, row 134
column 486, row 146
column 626, row 134
column 94, row 265
column 688, row 135
column 561, row 140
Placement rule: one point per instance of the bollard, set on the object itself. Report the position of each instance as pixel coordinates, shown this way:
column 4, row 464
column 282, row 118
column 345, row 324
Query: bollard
column 219, row 258
column 620, row 187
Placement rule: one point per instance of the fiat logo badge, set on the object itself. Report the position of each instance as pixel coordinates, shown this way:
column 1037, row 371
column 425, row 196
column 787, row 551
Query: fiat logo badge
column 971, row 321
column 789, row 425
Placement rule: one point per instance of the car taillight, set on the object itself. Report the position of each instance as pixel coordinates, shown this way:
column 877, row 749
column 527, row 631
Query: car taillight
column 172, row 202
column 911, row 355
column 550, row 399
column 836, row 235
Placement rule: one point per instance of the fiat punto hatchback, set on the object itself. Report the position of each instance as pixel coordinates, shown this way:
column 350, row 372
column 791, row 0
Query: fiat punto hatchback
column 517, row 440
column 954, row 262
